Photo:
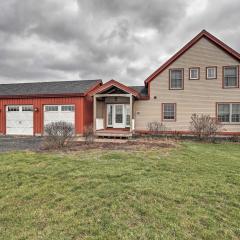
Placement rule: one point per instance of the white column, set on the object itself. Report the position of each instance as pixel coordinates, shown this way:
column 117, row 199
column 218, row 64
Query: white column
column 94, row 112
column 131, row 112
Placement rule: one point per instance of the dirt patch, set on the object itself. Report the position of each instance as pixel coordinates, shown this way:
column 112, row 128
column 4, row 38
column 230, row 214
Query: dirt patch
column 130, row 145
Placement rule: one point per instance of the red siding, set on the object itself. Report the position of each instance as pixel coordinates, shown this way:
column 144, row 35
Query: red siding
column 88, row 111
column 82, row 115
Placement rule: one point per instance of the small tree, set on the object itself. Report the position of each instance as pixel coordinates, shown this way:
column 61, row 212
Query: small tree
column 156, row 127
column 57, row 133
column 89, row 134
column 204, row 126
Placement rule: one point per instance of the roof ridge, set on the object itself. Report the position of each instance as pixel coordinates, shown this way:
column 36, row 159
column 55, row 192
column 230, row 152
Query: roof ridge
column 19, row 83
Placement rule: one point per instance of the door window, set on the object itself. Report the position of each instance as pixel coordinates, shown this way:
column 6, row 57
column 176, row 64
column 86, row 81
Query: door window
column 110, row 115
column 119, row 114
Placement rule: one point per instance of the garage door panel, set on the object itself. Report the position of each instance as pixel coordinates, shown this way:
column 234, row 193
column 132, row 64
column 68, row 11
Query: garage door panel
column 19, row 122
column 56, row 116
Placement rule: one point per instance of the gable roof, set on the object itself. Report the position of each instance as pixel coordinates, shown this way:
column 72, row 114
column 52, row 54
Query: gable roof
column 77, row 87
column 114, row 83
column 202, row 34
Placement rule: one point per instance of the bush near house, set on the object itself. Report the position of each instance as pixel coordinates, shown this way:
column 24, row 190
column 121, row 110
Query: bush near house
column 156, row 128
column 57, row 133
column 204, row 126
column 89, row 134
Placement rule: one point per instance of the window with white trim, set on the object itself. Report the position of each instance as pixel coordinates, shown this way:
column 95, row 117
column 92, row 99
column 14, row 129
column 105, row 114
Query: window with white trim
column 176, row 79
column 193, row 73
column 169, row 111
column 51, row 108
column 230, row 76
column 211, row 72
column 229, row 112
column 68, row 108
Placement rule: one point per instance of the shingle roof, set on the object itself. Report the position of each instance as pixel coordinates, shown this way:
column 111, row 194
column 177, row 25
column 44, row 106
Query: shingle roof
column 47, row 88
column 142, row 90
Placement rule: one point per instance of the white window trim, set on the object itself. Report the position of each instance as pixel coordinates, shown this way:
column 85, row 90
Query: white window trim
column 215, row 71
column 230, row 112
column 190, row 73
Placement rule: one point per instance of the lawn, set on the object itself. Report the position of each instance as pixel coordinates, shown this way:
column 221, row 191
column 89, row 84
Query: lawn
column 188, row 192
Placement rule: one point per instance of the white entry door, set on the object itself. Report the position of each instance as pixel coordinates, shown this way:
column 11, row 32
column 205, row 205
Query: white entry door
column 118, row 115
column 19, row 120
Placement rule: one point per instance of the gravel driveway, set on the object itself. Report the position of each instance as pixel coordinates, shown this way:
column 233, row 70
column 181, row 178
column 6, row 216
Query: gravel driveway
column 12, row 143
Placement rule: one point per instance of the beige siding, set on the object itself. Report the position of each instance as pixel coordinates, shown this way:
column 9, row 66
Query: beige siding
column 198, row 96
column 100, row 109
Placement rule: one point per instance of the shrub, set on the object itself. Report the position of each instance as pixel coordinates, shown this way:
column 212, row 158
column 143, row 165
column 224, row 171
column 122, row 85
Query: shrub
column 234, row 138
column 203, row 126
column 57, row 134
column 89, row 134
column 155, row 127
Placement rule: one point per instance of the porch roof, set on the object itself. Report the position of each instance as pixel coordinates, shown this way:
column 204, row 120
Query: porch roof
column 136, row 91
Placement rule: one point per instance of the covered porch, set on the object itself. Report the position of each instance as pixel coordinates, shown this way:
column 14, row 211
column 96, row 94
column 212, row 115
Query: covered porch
column 113, row 110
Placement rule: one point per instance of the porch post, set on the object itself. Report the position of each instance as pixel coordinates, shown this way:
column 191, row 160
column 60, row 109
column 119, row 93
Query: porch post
column 94, row 112
column 131, row 112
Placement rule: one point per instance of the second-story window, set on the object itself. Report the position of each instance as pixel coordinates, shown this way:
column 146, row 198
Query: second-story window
column 230, row 77
column 211, row 72
column 176, row 79
column 193, row 73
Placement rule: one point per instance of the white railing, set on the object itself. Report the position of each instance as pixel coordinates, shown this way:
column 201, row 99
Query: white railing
column 99, row 123
column 133, row 124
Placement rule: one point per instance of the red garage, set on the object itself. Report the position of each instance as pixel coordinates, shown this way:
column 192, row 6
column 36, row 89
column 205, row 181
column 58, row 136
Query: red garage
column 26, row 107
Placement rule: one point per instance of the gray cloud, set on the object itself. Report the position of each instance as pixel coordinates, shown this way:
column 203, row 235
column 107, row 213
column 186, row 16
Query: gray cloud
column 126, row 40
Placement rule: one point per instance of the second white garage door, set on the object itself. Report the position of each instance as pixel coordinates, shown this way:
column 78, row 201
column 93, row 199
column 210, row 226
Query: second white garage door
column 57, row 113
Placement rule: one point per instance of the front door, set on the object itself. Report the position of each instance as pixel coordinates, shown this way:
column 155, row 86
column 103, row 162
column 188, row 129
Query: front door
column 118, row 115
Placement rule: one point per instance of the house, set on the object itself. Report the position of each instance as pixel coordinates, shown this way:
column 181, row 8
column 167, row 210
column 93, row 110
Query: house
column 26, row 107
column 203, row 77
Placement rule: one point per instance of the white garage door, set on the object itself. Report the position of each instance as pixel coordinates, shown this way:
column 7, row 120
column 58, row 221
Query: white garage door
column 19, row 120
column 56, row 113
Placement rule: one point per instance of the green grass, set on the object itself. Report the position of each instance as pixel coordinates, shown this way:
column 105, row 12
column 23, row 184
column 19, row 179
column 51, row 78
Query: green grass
column 192, row 192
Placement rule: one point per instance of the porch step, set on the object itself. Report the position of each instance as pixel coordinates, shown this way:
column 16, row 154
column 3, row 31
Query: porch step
column 113, row 134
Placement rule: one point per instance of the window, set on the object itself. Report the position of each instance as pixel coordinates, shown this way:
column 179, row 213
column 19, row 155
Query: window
column 13, row 108
column 229, row 112
column 51, row 108
column 169, row 111
column 236, row 113
column 68, row 108
column 110, row 114
column 176, row 79
column 211, row 72
column 127, row 115
column 230, row 77
column 194, row 73
column 27, row 108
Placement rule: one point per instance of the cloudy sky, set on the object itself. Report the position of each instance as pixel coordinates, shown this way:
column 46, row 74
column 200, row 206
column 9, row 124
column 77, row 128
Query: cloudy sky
column 90, row 39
